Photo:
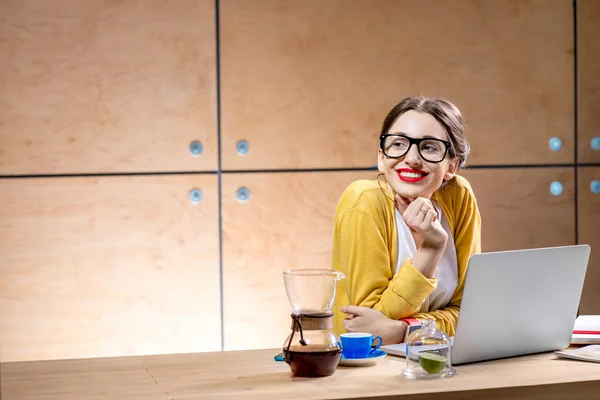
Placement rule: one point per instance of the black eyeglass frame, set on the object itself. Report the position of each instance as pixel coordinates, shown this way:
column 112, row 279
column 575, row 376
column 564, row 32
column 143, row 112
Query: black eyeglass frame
column 412, row 141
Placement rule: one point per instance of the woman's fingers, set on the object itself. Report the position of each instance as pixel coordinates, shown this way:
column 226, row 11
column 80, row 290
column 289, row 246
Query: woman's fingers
column 420, row 214
column 413, row 209
column 428, row 220
column 422, row 217
column 415, row 212
column 349, row 325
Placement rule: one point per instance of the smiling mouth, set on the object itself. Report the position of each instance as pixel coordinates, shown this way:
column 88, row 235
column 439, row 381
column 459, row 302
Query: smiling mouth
column 411, row 176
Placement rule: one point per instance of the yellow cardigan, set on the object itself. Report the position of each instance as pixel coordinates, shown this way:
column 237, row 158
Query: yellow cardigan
column 365, row 250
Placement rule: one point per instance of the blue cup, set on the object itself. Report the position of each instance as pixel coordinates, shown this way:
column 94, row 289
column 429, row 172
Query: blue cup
column 359, row 344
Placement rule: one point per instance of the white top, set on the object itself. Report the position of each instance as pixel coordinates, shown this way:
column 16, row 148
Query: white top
column 447, row 271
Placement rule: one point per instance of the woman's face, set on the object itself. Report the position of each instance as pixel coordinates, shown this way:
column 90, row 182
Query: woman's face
column 411, row 176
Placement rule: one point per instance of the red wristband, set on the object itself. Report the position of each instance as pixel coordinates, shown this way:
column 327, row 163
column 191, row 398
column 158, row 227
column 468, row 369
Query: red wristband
column 413, row 324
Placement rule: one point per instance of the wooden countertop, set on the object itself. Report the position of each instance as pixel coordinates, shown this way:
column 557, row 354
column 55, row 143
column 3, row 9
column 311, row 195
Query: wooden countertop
column 254, row 375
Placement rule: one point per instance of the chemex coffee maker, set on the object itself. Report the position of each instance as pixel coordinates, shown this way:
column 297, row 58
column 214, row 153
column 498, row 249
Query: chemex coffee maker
column 312, row 349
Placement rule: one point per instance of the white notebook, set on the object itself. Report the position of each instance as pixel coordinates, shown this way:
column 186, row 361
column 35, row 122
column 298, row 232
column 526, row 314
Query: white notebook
column 587, row 353
column 586, row 330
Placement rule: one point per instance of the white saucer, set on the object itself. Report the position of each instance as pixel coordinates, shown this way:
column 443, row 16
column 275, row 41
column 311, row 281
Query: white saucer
column 362, row 362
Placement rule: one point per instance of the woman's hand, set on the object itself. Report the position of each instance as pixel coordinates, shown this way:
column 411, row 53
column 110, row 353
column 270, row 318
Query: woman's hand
column 365, row 319
column 421, row 216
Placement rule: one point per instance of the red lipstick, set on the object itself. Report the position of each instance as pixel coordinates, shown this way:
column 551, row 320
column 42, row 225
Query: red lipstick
column 417, row 175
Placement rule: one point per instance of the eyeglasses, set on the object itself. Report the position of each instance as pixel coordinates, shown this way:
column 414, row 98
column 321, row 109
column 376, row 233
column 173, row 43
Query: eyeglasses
column 396, row 145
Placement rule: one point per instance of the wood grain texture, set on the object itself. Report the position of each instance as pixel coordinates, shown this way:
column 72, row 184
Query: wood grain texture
column 106, row 86
column 251, row 375
column 588, row 85
column 310, row 86
column 519, row 212
column 287, row 223
column 589, row 233
column 110, row 266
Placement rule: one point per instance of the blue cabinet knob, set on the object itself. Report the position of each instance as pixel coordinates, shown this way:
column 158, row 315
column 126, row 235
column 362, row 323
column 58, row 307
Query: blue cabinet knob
column 243, row 194
column 196, row 148
column 195, row 196
column 556, row 188
column 242, row 147
column 555, row 143
column 595, row 187
column 595, row 143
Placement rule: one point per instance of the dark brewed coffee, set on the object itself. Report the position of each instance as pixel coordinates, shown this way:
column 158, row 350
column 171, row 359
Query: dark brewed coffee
column 314, row 363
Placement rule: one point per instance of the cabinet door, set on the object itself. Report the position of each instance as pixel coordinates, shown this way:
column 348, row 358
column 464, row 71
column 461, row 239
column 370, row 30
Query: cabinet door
column 111, row 266
column 588, row 85
column 285, row 221
column 310, row 88
column 518, row 209
column 106, row 86
column 589, row 233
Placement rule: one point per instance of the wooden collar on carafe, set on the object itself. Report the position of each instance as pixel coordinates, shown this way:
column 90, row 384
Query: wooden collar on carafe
column 313, row 321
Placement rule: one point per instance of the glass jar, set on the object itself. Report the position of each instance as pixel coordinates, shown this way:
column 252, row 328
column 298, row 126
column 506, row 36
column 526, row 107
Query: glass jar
column 428, row 353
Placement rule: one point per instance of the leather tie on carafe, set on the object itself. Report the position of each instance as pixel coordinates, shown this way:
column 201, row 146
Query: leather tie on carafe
column 297, row 323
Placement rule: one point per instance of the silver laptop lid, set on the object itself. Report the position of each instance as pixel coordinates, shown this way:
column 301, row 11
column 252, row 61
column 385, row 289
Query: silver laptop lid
column 519, row 302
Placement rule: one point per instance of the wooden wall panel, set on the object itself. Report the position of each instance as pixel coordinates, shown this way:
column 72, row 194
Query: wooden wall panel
column 110, row 266
column 310, row 87
column 287, row 223
column 589, row 233
column 588, row 51
column 106, row 86
column 519, row 212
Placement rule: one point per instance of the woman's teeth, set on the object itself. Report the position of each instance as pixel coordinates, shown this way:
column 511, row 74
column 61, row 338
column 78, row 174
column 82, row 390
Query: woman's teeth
column 411, row 174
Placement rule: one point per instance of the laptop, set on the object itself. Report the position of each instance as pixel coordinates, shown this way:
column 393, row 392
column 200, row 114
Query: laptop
column 516, row 303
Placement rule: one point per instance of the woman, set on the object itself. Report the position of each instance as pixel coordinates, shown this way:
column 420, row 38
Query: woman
column 404, row 240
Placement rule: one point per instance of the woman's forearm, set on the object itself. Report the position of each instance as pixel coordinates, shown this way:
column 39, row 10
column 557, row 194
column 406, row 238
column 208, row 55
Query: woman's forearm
column 427, row 258
column 394, row 332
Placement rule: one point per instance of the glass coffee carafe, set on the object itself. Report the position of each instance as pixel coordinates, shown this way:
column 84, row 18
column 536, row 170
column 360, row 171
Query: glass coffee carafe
column 312, row 349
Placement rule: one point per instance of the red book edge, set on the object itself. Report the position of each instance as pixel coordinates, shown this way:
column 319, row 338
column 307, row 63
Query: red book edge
column 586, row 332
